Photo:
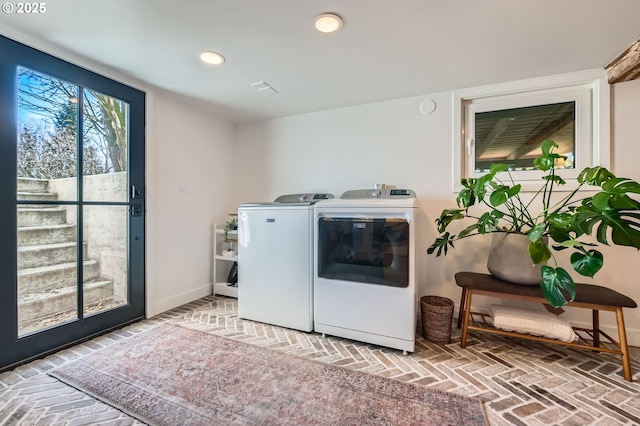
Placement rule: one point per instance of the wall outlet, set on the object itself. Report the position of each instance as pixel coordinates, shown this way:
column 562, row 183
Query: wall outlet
column 183, row 187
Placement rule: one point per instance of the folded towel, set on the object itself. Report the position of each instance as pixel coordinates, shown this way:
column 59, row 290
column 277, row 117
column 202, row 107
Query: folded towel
column 529, row 321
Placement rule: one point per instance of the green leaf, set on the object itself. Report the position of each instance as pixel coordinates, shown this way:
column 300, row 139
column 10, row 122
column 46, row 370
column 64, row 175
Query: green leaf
column 468, row 230
column 560, row 220
column 594, row 176
column 557, row 286
column 499, row 196
column 498, row 168
column 502, row 193
column 543, row 163
column 539, row 252
column 608, row 201
column 555, row 179
column 559, row 234
column 546, row 146
column 614, row 195
column 488, row 222
column 480, row 188
column 441, row 244
column 570, row 243
column 588, row 263
column 514, row 190
column 485, row 182
column 537, row 231
column 624, row 227
column 547, row 160
column 447, row 216
column 466, row 198
column 621, row 185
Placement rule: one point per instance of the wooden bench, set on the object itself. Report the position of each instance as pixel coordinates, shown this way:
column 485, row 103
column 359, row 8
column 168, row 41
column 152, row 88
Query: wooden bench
column 588, row 296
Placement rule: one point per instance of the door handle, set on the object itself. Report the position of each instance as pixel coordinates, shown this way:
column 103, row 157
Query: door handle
column 135, row 210
column 136, row 193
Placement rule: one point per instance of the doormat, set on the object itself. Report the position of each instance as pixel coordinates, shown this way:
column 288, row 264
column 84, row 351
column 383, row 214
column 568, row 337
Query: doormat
column 170, row 375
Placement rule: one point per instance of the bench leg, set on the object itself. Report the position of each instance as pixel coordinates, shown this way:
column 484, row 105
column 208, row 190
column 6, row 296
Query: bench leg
column 465, row 323
column 624, row 348
column 596, row 328
column 460, row 309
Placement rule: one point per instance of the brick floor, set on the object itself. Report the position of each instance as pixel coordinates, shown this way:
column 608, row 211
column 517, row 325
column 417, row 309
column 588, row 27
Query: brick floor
column 521, row 382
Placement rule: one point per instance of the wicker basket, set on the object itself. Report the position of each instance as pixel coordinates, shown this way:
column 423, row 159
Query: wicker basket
column 437, row 314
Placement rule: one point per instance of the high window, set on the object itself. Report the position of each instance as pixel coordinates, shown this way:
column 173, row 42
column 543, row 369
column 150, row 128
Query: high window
column 507, row 123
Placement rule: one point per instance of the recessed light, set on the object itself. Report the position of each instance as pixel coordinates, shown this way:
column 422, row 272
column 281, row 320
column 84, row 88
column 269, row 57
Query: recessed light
column 328, row 23
column 210, row 57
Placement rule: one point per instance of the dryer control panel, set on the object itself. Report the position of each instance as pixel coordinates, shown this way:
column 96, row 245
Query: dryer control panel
column 385, row 193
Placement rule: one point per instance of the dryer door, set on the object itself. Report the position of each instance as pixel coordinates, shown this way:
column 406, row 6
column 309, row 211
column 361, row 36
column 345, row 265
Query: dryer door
column 367, row 250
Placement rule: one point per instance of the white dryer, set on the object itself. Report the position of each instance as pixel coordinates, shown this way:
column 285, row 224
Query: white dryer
column 275, row 261
column 364, row 267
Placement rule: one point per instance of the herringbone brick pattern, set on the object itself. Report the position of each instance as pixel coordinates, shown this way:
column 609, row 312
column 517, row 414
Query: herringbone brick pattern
column 521, row 382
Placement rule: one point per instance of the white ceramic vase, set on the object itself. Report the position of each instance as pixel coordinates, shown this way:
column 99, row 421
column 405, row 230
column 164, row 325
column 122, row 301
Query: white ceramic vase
column 509, row 259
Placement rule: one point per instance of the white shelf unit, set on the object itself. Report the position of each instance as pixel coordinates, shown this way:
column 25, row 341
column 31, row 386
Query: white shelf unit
column 222, row 264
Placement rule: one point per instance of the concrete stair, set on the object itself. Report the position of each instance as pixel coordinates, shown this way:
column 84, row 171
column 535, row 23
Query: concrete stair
column 43, row 279
column 36, row 196
column 46, row 254
column 47, row 264
column 40, row 216
column 46, row 234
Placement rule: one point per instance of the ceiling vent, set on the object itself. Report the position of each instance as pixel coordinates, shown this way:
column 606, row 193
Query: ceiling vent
column 263, row 86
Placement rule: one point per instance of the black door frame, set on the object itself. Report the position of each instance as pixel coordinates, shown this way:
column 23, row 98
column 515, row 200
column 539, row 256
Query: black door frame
column 17, row 350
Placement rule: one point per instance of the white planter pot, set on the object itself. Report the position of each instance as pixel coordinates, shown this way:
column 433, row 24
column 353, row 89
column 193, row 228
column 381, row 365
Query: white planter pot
column 509, row 259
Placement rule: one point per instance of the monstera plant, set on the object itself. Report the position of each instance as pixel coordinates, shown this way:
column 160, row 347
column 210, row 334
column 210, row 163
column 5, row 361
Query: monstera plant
column 602, row 208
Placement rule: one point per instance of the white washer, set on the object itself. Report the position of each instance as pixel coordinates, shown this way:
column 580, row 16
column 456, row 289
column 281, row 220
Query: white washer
column 275, row 261
column 364, row 267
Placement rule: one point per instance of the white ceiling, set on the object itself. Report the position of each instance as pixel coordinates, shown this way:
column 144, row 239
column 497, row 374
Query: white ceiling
column 387, row 49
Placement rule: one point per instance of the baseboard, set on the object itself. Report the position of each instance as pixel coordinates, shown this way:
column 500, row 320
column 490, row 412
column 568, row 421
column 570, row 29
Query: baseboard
column 176, row 300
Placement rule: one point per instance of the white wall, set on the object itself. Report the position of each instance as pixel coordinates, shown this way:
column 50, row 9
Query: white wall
column 393, row 143
column 622, row 268
column 194, row 149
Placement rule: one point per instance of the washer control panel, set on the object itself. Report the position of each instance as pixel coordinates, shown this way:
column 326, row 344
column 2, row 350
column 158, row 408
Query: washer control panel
column 303, row 198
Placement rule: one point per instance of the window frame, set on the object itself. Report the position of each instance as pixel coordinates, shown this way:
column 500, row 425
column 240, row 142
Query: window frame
column 589, row 90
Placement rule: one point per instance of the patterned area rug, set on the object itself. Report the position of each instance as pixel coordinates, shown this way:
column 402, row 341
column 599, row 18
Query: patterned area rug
column 171, row 375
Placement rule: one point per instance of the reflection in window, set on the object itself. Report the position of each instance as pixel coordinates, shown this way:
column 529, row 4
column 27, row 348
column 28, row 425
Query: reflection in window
column 47, row 126
column 105, row 138
column 513, row 136
column 104, row 147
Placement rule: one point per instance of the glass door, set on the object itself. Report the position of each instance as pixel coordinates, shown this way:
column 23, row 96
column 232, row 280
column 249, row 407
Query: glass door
column 74, row 252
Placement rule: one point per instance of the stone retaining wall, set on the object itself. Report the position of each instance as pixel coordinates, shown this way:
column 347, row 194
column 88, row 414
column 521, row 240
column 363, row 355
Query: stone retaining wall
column 105, row 227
